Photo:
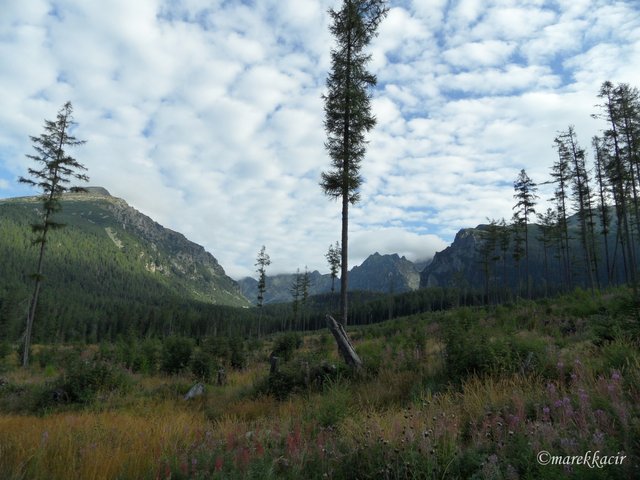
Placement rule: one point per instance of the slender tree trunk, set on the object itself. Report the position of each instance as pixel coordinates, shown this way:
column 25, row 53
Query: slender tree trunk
column 344, row 276
column 36, row 291
column 43, row 240
column 344, row 279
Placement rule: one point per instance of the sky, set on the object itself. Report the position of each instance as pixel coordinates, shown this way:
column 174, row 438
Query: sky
column 207, row 115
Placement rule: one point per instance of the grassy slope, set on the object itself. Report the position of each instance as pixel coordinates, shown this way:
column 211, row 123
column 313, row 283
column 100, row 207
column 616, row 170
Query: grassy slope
column 469, row 393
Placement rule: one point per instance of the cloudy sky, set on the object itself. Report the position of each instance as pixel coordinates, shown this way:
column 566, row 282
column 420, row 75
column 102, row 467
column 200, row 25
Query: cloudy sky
column 207, row 114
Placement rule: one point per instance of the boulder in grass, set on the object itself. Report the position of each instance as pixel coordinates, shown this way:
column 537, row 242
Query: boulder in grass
column 195, row 391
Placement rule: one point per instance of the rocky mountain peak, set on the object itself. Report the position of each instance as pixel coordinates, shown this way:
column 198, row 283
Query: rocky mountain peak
column 98, row 191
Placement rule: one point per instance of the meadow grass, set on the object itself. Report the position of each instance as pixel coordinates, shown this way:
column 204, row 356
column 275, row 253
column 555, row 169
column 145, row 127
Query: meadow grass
column 468, row 393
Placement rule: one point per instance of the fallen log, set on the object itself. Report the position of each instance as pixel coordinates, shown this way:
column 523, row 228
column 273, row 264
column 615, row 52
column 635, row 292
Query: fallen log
column 345, row 347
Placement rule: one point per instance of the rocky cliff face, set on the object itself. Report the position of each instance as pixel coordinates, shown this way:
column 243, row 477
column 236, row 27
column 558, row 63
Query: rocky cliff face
column 171, row 252
column 385, row 273
column 462, row 264
column 460, row 257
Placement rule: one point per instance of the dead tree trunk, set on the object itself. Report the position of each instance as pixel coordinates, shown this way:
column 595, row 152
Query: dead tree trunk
column 273, row 360
column 344, row 344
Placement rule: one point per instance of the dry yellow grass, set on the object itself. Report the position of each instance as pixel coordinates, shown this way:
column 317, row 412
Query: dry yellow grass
column 90, row 445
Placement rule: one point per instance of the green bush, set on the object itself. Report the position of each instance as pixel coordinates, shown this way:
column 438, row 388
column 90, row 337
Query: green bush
column 57, row 355
column 238, row 359
column 84, row 379
column 150, row 355
column 618, row 355
column 176, row 354
column 295, row 377
column 201, row 365
column 372, row 355
column 217, row 347
column 474, row 349
column 286, row 344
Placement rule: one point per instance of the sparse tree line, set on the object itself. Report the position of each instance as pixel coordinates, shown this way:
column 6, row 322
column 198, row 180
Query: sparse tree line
column 589, row 237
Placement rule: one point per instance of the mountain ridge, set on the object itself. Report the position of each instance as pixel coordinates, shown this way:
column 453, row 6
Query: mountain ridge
column 381, row 273
column 184, row 266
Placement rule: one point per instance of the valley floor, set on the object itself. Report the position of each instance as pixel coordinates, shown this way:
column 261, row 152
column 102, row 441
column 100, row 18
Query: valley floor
column 517, row 391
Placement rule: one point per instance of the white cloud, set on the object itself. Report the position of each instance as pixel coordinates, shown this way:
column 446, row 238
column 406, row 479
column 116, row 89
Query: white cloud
column 479, row 54
column 414, row 246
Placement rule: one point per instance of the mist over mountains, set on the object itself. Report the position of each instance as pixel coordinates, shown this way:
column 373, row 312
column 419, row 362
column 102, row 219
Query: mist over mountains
column 378, row 273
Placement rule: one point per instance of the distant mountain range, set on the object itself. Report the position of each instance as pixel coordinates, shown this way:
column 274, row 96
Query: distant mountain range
column 113, row 262
column 378, row 273
column 551, row 268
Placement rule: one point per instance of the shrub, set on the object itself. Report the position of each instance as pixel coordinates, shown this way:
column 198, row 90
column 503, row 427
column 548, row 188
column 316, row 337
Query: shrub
column 618, row 354
column 84, row 379
column 217, row 347
column 57, row 355
column 237, row 358
column 286, row 344
column 150, row 354
column 5, row 349
column 201, row 364
column 477, row 350
column 176, row 354
column 297, row 377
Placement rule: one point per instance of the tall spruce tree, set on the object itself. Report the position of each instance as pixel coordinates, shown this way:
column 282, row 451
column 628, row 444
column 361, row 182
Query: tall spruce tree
column 57, row 170
column 347, row 110
column 561, row 176
column 262, row 262
column 333, row 258
column 548, row 223
column 600, row 167
column 627, row 100
column 524, row 208
column 619, row 177
column 504, row 240
column 574, row 156
column 487, row 249
column 296, row 292
column 305, row 287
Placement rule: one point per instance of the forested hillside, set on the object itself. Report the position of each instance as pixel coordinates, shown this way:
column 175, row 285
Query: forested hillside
column 111, row 268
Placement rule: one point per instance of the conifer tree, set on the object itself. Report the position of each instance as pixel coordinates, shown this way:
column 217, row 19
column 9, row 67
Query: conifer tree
column 619, row 177
column 574, row 156
column 296, row 292
column 347, row 110
column 333, row 258
column 561, row 175
column 57, row 169
column 548, row 223
column 524, row 208
column 488, row 256
column 627, row 103
column 262, row 262
column 504, row 240
column 603, row 199
column 305, row 286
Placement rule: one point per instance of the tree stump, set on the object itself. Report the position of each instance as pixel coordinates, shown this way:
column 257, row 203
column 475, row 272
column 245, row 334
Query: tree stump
column 222, row 377
column 345, row 346
column 273, row 360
